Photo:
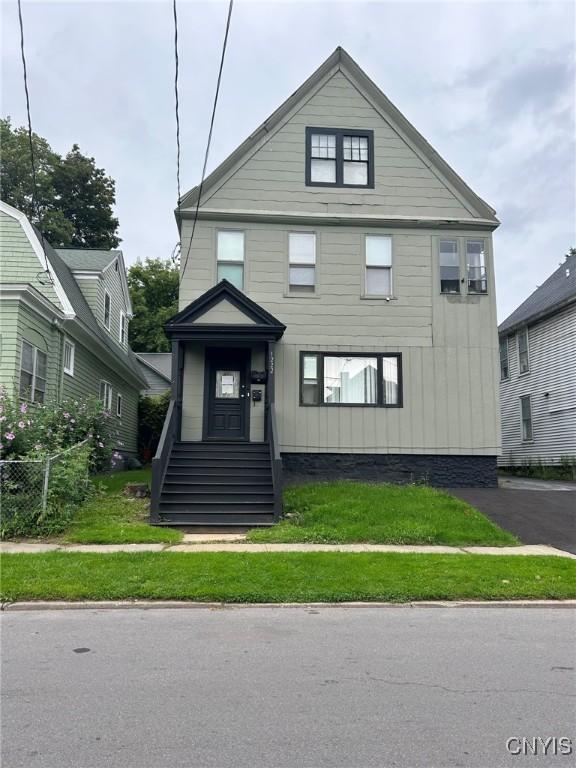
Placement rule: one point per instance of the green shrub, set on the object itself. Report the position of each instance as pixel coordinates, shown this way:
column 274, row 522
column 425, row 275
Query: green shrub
column 151, row 414
column 565, row 469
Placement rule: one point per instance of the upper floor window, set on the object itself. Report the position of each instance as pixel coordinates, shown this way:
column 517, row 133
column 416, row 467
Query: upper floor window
column 476, row 266
column 230, row 257
column 342, row 379
column 504, row 366
column 523, row 356
column 526, row 417
column 122, row 328
column 107, row 309
column 449, row 266
column 33, row 365
column 378, row 281
column 69, row 357
column 339, row 158
column 302, row 261
column 106, row 395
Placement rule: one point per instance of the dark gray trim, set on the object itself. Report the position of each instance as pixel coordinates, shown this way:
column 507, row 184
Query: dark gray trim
column 339, row 160
column 379, row 384
column 440, row 471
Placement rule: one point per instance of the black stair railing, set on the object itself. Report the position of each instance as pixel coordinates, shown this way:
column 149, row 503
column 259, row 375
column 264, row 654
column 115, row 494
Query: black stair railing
column 275, row 460
column 162, row 457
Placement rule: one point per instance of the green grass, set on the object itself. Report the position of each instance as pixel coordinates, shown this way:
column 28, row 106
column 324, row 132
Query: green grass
column 345, row 512
column 276, row 577
column 114, row 482
column 110, row 518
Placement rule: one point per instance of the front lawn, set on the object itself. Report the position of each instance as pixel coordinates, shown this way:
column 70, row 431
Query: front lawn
column 345, row 512
column 111, row 518
column 285, row 577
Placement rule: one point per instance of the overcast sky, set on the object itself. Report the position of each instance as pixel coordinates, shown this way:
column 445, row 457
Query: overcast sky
column 489, row 84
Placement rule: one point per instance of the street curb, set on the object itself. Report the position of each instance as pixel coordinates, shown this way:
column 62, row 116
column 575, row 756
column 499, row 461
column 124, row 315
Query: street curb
column 59, row 605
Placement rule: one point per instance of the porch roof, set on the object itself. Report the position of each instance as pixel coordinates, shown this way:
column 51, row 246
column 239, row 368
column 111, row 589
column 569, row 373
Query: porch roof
column 260, row 325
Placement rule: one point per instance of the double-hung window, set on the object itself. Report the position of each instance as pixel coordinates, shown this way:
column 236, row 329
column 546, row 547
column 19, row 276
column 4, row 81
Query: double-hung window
column 302, row 262
column 230, row 257
column 523, row 354
column 122, row 329
column 69, row 351
column 339, row 157
column 350, row 379
column 107, row 310
column 106, row 395
column 449, row 266
column 378, row 280
column 33, row 366
column 476, row 266
column 526, row 417
column 504, row 365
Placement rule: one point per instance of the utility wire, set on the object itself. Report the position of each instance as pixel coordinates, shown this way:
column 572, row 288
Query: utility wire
column 35, row 204
column 183, row 269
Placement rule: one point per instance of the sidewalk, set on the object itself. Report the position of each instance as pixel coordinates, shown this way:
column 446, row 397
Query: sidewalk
column 194, row 543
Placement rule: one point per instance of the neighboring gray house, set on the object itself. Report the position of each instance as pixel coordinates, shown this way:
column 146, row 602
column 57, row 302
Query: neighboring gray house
column 337, row 313
column 538, row 373
column 64, row 325
column 156, row 369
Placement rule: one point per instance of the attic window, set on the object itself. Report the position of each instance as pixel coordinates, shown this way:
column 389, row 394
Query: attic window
column 338, row 157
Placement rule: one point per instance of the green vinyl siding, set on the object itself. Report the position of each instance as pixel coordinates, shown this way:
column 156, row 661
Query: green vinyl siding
column 19, row 263
column 85, row 383
column 8, row 343
column 42, row 334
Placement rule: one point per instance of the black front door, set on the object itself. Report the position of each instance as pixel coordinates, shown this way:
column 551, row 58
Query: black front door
column 226, row 410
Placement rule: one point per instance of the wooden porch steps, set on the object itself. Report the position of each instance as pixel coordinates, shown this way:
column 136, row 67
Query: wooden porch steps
column 223, row 483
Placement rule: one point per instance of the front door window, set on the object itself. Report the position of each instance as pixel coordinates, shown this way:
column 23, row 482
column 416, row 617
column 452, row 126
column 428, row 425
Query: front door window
column 227, row 384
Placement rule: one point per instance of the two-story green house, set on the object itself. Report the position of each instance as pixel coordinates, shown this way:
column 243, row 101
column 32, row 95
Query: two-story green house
column 64, row 325
column 338, row 313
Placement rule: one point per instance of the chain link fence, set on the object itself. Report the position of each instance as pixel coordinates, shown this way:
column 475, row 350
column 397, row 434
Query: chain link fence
column 27, row 485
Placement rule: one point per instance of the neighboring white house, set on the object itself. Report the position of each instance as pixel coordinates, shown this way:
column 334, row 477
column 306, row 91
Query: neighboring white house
column 538, row 373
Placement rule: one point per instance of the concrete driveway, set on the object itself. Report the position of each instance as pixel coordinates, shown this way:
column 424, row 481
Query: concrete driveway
column 536, row 511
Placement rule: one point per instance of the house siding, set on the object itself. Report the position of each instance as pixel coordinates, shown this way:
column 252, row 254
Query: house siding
column 272, row 178
column 449, row 345
column 156, row 384
column 551, row 384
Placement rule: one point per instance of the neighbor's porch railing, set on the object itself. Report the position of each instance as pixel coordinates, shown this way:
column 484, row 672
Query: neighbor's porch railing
column 161, row 458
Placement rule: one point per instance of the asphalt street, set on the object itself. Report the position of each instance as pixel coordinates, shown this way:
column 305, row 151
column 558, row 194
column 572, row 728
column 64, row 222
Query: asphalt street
column 285, row 687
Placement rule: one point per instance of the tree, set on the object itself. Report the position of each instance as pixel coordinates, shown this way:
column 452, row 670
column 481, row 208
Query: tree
column 154, row 295
column 75, row 197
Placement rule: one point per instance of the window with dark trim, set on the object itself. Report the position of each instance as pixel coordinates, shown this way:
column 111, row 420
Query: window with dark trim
column 504, row 365
column 119, row 405
column 357, row 379
column 339, row 158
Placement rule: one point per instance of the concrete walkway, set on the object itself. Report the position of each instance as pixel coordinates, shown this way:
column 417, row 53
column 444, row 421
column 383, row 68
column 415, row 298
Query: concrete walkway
column 239, row 546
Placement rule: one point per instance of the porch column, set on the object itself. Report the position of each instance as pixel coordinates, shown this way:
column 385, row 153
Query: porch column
column 177, row 376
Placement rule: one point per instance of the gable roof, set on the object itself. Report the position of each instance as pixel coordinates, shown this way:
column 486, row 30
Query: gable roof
column 159, row 362
column 340, row 60
column 88, row 259
column 35, row 241
column 97, row 260
column 555, row 293
column 262, row 325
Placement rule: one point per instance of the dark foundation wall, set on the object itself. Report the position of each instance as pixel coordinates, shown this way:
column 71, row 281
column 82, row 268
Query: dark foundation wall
column 439, row 471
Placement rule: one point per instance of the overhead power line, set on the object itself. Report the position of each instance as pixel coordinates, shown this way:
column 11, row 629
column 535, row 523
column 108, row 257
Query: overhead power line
column 35, row 204
column 211, row 123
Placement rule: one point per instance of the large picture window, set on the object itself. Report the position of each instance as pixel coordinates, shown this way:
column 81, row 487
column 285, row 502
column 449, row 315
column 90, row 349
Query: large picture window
column 33, row 366
column 350, row 379
column 338, row 157
column 230, row 257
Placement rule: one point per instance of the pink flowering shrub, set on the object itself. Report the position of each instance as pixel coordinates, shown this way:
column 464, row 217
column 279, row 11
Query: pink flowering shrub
column 32, row 430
